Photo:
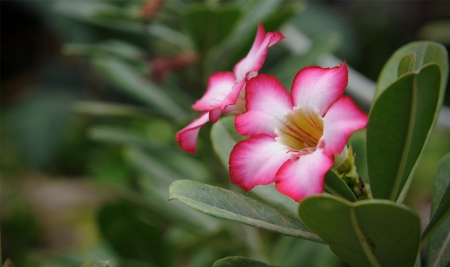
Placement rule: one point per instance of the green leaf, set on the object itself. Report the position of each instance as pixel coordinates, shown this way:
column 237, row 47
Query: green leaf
column 209, row 26
column 427, row 52
column 438, row 248
column 118, row 135
column 364, row 233
column 167, row 167
column 225, row 204
column 96, row 264
column 399, row 127
column 336, row 186
column 406, row 64
column 128, row 80
column 223, row 138
column 110, row 110
column 133, row 237
column 239, row 262
column 156, row 201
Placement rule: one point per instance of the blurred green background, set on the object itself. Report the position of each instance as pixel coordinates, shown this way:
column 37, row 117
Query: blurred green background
column 93, row 93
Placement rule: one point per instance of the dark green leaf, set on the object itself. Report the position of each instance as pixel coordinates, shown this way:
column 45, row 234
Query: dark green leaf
column 239, row 262
column 406, row 64
column 365, row 233
column 336, row 186
column 132, row 237
column 225, row 204
column 127, row 79
column 399, row 127
column 209, row 26
column 427, row 52
column 438, row 248
column 96, row 264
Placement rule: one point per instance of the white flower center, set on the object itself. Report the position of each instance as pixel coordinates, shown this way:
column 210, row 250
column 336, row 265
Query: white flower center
column 301, row 131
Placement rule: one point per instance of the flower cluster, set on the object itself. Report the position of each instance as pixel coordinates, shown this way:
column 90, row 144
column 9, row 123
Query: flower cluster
column 293, row 138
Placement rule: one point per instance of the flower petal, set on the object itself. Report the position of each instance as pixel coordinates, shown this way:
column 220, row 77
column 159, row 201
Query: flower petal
column 233, row 96
column 257, row 54
column 256, row 160
column 187, row 137
column 341, row 120
column 220, row 84
column 302, row 177
column 318, row 88
column 267, row 101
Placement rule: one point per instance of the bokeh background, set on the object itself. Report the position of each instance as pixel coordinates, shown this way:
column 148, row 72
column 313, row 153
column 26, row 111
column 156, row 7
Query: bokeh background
column 93, row 93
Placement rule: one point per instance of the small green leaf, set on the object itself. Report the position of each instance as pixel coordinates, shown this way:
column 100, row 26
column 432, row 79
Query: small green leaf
column 427, row 52
column 365, row 233
column 438, row 248
column 225, row 204
column 128, row 80
column 239, row 262
column 406, row 64
column 336, row 186
column 399, row 127
column 96, row 264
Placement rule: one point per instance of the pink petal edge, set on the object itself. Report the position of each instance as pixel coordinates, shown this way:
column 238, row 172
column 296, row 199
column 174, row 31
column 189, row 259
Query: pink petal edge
column 318, row 88
column 256, row 160
column 187, row 137
column 266, row 102
column 220, row 85
column 257, row 54
column 303, row 177
column 342, row 119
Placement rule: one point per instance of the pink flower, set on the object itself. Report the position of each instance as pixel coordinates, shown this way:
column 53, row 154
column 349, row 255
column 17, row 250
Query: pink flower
column 223, row 94
column 294, row 138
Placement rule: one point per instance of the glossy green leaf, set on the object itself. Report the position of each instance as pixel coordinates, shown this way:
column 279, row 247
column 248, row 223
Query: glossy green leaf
column 96, row 264
column 427, row 52
column 438, row 248
column 126, row 79
column 406, row 64
column 223, row 138
column 225, row 204
column 208, row 26
column 239, row 262
column 365, row 233
column 336, row 186
column 399, row 127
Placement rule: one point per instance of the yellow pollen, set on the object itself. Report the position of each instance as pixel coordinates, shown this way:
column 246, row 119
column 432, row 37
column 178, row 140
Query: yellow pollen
column 301, row 131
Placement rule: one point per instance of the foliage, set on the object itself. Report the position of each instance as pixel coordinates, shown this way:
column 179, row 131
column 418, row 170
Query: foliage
column 157, row 65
